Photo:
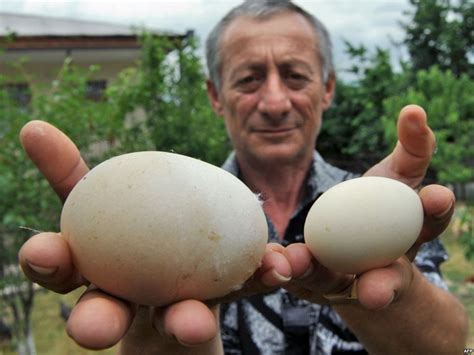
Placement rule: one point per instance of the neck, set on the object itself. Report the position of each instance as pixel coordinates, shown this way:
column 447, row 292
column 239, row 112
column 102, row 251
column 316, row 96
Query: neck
column 281, row 188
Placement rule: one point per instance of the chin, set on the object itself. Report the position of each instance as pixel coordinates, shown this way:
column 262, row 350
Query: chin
column 279, row 155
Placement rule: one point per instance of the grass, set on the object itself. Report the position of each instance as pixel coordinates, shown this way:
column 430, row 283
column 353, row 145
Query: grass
column 51, row 337
column 456, row 270
column 49, row 328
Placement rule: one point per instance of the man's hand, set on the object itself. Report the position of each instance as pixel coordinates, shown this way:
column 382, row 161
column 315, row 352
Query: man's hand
column 378, row 288
column 408, row 163
column 100, row 320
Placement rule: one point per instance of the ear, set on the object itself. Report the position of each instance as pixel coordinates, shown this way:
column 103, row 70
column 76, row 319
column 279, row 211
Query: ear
column 330, row 88
column 214, row 98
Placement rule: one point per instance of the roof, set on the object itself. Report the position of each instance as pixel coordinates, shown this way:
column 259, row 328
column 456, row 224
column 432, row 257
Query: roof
column 35, row 32
column 36, row 25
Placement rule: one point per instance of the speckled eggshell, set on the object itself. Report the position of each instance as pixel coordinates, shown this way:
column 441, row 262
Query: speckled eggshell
column 363, row 223
column 156, row 227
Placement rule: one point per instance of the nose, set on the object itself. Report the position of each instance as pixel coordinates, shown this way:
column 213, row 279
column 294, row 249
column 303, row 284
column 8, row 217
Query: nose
column 274, row 101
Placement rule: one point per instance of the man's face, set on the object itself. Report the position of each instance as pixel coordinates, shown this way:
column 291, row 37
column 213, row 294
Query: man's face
column 272, row 95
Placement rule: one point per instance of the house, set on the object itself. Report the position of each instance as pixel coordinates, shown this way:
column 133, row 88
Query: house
column 43, row 43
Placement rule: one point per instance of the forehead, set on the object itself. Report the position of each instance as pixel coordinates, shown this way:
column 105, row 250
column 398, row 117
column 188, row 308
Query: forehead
column 282, row 35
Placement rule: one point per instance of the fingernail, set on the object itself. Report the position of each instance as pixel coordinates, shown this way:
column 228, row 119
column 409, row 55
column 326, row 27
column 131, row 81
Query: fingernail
column 42, row 271
column 387, row 304
column 415, row 123
column 307, row 272
column 272, row 278
column 280, row 277
column 185, row 344
column 445, row 212
column 390, row 301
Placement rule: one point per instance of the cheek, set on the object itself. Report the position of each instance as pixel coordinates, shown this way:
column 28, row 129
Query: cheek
column 241, row 108
column 247, row 103
column 309, row 110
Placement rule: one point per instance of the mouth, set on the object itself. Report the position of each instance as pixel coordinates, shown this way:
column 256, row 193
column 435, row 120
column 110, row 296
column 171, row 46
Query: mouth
column 274, row 131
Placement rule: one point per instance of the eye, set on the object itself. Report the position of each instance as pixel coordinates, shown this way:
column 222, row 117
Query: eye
column 296, row 80
column 247, row 80
column 249, row 83
column 297, row 76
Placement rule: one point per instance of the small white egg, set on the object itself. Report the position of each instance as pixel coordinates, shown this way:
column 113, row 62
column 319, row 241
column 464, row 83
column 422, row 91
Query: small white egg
column 155, row 227
column 363, row 223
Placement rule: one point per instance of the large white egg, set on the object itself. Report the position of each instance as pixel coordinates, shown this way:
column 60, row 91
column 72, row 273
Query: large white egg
column 155, row 227
column 363, row 223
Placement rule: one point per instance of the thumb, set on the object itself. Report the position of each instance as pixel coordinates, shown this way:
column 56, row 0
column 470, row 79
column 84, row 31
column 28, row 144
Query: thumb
column 411, row 156
column 54, row 154
column 189, row 322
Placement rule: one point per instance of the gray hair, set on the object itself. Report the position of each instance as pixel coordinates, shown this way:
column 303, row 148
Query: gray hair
column 263, row 9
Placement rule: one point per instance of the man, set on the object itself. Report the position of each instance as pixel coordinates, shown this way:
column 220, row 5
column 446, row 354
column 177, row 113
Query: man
column 271, row 79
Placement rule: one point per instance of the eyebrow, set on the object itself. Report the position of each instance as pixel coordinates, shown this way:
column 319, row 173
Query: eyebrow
column 245, row 66
column 285, row 64
column 293, row 62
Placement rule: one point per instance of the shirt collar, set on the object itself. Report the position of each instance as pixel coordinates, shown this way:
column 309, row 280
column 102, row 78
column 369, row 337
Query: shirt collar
column 320, row 176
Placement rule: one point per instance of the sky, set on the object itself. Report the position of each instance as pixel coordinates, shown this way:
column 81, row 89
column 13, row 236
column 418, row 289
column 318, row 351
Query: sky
column 369, row 22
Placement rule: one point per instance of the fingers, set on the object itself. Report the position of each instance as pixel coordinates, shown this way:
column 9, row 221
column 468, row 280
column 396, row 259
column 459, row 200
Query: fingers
column 46, row 259
column 373, row 290
column 275, row 269
column 416, row 143
column 438, row 204
column 173, row 329
column 54, row 154
column 190, row 322
column 414, row 134
column 311, row 280
column 98, row 320
column 378, row 288
column 410, row 158
column 300, row 259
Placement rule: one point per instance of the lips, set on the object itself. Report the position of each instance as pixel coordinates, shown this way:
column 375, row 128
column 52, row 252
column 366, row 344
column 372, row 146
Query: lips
column 273, row 130
column 275, row 135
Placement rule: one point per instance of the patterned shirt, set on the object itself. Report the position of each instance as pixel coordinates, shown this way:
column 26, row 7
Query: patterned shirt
column 278, row 322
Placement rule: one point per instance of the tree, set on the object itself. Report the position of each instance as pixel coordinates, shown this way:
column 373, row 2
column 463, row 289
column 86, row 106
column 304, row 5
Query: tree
column 466, row 236
column 352, row 134
column 168, row 89
column 28, row 204
column 449, row 104
column 160, row 104
column 441, row 32
column 21, row 191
